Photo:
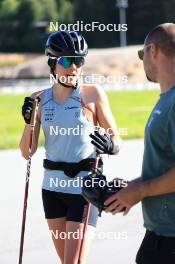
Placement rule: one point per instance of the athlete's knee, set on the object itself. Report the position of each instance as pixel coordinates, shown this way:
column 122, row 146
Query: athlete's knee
column 71, row 261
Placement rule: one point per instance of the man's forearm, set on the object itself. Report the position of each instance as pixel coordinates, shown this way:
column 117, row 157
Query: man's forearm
column 160, row 185
column 139, row 179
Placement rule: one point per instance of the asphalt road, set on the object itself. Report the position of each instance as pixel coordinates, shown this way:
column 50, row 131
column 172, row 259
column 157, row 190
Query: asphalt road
column 117, row 238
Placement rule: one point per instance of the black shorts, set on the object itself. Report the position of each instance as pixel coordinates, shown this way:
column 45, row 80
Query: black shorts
column 156, row 249
column 71, row 206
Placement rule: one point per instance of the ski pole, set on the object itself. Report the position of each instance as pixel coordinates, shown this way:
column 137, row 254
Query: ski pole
column 32, row 127
column 94, row 171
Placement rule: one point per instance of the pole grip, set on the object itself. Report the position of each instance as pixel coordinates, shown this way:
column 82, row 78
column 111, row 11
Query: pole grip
column 34, row 112
column 95, row 166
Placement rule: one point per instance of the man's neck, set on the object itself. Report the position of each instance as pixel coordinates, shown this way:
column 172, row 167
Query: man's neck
column 166, row 80
column 166, row 85
column 166, row 76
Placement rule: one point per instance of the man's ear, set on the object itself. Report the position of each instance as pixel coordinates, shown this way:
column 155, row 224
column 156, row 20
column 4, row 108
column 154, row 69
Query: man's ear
column 154, row 50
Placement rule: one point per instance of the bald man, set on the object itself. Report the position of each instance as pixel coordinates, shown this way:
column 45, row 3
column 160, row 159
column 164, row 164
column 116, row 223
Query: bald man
column 156, row 186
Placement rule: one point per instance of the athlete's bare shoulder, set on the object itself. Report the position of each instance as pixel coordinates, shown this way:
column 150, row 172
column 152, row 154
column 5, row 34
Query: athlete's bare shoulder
column 89, row 87
column 37, row 94
column 92, row 92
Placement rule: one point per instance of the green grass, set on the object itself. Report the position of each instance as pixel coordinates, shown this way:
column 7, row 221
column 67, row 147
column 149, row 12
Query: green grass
column 130, row 110
column 11, row 121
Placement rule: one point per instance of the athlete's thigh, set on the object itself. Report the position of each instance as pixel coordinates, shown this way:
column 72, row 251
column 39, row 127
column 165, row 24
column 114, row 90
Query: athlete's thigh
column 55, row 213
column 74, row 231
column 57, row 229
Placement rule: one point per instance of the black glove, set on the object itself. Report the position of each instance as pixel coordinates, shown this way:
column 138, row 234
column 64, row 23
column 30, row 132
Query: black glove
column 27, row 109
column 96, row 190
column 103, row 143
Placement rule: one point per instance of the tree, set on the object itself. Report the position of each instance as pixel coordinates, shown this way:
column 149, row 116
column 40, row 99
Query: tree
column 19, row 18
column 144, row 15
column 65, row 11
column 17, row 23
column 103, row 12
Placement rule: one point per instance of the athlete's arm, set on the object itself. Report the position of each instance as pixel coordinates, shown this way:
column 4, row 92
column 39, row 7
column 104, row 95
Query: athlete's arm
column 104, row 114
column 25, row 139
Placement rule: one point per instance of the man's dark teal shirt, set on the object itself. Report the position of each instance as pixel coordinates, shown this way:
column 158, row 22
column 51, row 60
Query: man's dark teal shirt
column 159, row 157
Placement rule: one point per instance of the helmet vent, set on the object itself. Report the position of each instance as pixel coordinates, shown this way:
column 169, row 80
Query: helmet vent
column 54, row 47
column 82, row 44
column 76, row 44
column 66, row 39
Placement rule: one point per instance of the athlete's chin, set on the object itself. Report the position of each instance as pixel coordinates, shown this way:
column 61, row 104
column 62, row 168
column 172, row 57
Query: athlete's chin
column 71, row 83
column 71, row 80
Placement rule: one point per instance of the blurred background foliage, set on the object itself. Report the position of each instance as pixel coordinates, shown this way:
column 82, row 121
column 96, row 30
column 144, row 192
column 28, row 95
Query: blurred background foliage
column 23, row 23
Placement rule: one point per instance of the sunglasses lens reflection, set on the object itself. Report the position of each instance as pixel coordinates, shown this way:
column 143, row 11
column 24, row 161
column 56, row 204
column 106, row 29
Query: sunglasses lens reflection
column 66, row 61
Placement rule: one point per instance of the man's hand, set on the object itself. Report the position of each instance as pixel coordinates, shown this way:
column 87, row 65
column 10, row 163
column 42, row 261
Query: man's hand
column 125, row 199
